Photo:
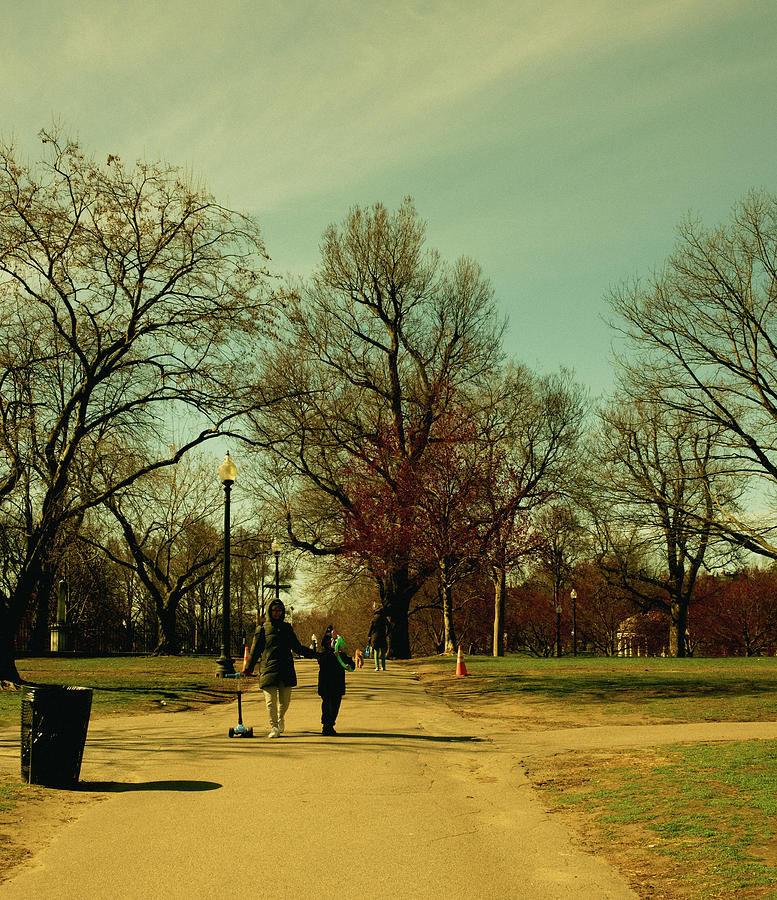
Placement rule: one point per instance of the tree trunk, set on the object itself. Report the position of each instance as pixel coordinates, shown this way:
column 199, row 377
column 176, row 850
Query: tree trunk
column 678, row 626
column 447, row 617
column 396, row 592
column 500, row 590
column 8, row 626
column 12, row 612
column 168, row 643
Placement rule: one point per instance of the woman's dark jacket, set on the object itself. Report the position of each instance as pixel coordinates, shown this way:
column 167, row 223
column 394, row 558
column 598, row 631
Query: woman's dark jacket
column 274, row 642
column 379, row 632
column 331, row 674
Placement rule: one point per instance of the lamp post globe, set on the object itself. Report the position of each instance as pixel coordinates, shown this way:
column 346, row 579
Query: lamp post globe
column 227, row 476
column 227, row 471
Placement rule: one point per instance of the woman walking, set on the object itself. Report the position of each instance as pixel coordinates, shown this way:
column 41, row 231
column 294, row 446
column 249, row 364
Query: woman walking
column 274, row 642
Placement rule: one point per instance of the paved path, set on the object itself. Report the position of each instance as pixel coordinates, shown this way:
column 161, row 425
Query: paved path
column 409, row 801
column 604, row 737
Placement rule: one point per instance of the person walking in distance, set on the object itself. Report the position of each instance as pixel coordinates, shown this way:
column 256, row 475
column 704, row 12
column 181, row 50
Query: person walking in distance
column 273, row 644
column 332, row 663
column 378, row 639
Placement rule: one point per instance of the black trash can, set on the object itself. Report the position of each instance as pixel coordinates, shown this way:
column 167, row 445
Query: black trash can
column 54, row 723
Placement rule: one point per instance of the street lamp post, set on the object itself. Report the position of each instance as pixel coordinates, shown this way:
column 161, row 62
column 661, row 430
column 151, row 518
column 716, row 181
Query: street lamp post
column 276, row 549
column 558, row 629
column 227, row 475
column 573, row 595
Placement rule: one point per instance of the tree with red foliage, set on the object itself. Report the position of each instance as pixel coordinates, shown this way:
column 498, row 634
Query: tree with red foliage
column 431, row 513
column 464, row 506
column 735, row 615
column 601, row 608
column 531, row 622
column 452, row 518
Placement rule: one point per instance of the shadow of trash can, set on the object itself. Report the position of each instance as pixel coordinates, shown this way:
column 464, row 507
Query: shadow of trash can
column 55, row 719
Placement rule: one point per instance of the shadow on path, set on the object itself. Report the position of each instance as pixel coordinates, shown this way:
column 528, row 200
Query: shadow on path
column 118, row 787
column 369, row 735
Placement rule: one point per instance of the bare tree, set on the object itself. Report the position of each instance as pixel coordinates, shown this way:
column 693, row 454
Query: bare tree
column 560, row 539
column 167, row 522
column 371, row 353
column 129, row 300
column 705, row 331
column 532, row 427
column 655, row 481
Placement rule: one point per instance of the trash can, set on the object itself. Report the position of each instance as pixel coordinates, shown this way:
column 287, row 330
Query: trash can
column 54, row 723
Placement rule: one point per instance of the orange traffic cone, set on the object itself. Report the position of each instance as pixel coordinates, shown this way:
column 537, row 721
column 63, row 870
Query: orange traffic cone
column 245, row 660
column 461, row 669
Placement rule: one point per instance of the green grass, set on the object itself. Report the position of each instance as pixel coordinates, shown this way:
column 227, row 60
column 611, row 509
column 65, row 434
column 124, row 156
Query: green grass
column 9, row 794
column 666, row 690
column 126, row 685
column 708, row 809
column 654, row 689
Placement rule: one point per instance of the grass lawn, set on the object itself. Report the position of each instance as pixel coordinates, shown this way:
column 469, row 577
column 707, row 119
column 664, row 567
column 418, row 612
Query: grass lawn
column 126, row 685
column 584, row 690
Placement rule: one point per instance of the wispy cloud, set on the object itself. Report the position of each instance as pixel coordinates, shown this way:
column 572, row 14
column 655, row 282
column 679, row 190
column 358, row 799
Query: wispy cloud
column 295, row 99
column 555, row 140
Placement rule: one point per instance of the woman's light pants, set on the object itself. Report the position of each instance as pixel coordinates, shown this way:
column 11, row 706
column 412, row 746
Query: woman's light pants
column 277, row 697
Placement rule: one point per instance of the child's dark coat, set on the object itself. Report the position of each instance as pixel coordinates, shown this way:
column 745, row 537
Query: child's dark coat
column 331, row 675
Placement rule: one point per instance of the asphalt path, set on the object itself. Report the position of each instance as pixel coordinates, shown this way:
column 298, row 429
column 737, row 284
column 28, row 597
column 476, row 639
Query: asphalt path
column 410, row 800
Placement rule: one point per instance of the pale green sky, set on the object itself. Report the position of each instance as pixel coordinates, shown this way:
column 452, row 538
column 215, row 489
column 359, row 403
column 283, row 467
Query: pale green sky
column 559, row 143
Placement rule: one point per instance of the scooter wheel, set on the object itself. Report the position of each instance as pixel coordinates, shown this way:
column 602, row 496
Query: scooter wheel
column 231, row 732
column 250, row 732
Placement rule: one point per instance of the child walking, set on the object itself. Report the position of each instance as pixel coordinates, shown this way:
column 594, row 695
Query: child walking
column 332, row 663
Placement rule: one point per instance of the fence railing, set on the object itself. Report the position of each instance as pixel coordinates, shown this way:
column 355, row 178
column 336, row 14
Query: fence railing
column 99, row 640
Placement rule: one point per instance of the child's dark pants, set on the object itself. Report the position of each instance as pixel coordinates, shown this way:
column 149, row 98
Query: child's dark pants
column 330, row 707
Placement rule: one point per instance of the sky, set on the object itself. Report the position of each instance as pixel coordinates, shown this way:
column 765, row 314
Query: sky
column 558, row 143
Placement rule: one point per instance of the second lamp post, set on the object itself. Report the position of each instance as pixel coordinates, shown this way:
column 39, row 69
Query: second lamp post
column 573, row 596
column 227, row 475
column 276, row 549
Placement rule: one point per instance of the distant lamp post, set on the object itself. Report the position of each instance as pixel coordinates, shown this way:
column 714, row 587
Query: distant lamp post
column 227, row 475
column 558, row 629
column 276, row 549
column 573, row 595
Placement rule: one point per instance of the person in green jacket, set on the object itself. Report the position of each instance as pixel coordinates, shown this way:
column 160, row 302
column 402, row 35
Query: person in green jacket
column 273, row 644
